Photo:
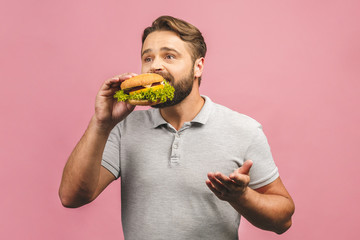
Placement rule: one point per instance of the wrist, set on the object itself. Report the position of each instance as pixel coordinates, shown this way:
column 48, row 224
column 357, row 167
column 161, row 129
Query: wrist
column 100, row 127
column 243, row 198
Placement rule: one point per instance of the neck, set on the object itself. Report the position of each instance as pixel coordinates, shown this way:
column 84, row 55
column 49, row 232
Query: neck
column 185, row 111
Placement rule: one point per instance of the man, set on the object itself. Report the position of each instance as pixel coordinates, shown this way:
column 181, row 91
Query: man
column 182, row 164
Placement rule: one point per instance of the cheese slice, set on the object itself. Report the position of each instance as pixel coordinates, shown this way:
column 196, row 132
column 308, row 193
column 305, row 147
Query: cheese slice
column 144, row 89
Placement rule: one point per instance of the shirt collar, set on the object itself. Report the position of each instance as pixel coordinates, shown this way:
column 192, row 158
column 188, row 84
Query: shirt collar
column 157, row 119
column 201, row 117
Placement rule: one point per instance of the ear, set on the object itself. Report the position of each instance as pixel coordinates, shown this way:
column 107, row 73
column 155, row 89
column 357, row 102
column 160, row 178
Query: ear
column 199, row 67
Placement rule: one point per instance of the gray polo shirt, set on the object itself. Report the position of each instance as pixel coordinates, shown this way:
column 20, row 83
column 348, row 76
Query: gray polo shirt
column 163, row 171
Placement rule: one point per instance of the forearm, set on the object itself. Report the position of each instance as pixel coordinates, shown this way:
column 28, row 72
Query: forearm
column 266, row 211
column 82, row 170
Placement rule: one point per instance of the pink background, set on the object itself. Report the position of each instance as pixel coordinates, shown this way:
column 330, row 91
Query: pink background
column 292, row 65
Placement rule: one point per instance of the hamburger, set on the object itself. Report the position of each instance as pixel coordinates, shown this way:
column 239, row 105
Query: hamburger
column 145, row 89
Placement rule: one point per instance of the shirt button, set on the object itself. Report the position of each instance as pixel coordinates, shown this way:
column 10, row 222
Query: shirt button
column 177, row 135
column 175, row 146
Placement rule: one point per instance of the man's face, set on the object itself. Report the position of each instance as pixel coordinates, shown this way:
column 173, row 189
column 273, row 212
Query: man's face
column 166, row 54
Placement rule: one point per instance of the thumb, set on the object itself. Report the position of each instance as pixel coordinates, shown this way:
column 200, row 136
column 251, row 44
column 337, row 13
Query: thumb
column 245, row 168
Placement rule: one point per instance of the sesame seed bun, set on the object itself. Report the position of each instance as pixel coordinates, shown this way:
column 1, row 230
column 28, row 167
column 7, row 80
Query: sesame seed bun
column 141, row 80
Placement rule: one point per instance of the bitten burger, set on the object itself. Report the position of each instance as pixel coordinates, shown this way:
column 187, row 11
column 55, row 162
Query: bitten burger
column 145, row 89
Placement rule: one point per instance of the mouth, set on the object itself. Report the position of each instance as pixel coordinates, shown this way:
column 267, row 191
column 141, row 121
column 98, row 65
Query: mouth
column 168, row 77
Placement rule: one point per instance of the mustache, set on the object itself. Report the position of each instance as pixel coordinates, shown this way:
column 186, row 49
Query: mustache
column 167, row 76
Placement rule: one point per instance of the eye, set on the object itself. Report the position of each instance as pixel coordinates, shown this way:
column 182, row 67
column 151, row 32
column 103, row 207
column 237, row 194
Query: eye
column 170, row 56
column 147, row 59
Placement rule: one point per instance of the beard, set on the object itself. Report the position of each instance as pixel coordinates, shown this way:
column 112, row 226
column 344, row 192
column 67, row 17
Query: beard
column 182, row 88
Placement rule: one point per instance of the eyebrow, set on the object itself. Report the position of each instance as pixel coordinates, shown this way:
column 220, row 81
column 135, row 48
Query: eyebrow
column 161, row 49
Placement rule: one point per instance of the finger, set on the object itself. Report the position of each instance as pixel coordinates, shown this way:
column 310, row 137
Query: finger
column 115, row 85
column 108, row 92
column 217, row 184
column 130, row 107
column 125, row 76
column 245, row 168
column 122, row 108
column 241, row 180
column 212, row 188
column 225, row 180
column 114, row 82
column 110, row 84
column 120, row 78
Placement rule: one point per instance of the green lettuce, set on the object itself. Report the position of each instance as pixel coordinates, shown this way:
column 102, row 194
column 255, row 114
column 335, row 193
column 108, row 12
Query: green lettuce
column 162, row 94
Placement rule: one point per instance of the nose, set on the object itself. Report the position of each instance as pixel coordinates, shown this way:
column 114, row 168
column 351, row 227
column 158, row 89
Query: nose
column 156, row 66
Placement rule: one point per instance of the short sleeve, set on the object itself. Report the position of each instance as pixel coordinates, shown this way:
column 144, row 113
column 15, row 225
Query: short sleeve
column 264, row 170
column 111, row 154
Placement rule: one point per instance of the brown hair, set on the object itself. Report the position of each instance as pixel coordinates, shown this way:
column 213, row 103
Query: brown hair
column 186, row 31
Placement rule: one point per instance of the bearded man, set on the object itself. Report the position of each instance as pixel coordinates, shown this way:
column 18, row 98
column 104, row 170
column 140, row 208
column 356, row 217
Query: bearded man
column 189, row 168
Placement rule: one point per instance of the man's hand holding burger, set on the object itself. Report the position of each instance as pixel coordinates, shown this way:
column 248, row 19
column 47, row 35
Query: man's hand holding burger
column 130, row 90
column 108, row 111
column 83, row 177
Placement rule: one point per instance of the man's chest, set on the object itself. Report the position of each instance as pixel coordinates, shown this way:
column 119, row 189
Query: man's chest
column 179, row 159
